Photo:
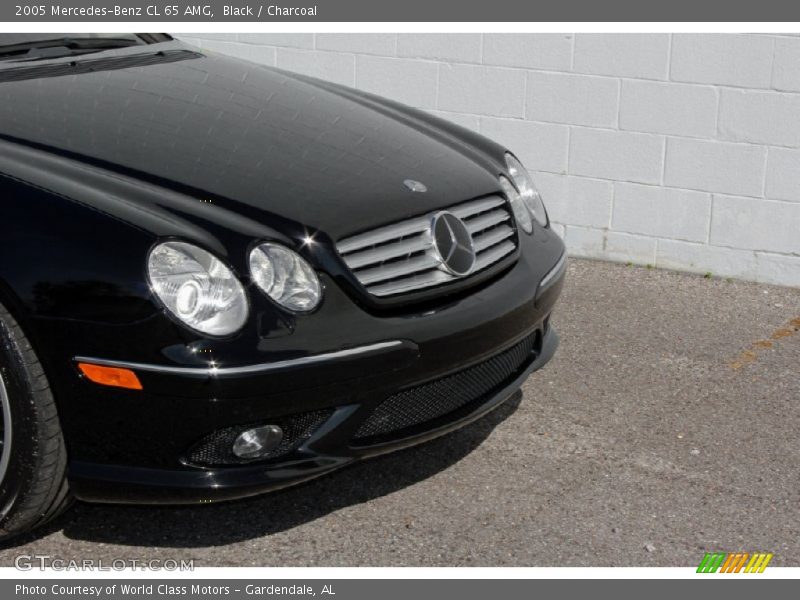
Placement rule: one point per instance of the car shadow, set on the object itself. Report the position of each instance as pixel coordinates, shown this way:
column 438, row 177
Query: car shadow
column 236, row 521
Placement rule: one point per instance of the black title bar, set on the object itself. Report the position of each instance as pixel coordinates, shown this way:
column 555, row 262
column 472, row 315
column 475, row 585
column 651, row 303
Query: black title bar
column 441, row 11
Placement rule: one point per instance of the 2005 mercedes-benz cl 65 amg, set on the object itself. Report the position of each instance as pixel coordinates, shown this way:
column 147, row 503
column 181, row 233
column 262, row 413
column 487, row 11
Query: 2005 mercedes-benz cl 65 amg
column 218, row 278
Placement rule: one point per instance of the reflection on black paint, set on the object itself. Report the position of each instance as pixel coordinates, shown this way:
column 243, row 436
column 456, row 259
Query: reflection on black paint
column 249, row 133
column 85, row 300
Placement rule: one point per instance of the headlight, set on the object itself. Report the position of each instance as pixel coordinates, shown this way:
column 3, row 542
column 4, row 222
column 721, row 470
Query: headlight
column 197, row 288
column 285, row 277
column 521, row 213
column 527, row 190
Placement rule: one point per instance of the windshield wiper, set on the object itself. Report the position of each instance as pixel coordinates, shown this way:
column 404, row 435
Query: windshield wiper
column 60, row 47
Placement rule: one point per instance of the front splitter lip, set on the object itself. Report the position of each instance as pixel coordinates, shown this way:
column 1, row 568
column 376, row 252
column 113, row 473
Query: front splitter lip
column 132, row 485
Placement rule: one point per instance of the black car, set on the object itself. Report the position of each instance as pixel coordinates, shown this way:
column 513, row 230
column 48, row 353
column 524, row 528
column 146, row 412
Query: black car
column 219, row 278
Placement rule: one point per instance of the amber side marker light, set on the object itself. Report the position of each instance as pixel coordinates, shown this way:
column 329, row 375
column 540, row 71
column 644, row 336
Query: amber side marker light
column 111, row 376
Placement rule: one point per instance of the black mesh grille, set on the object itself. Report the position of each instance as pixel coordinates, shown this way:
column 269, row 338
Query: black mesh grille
column 215, row 449
column 79, row 66
column 448, row 398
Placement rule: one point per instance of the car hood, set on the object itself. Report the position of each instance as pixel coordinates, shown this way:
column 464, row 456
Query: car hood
column 251, row 138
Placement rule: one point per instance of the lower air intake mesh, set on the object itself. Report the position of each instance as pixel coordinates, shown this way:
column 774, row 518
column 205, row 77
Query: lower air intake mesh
column 449, row 396
column 216, row 448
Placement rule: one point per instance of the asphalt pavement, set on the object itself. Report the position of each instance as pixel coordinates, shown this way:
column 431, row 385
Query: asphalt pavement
column 667, row 425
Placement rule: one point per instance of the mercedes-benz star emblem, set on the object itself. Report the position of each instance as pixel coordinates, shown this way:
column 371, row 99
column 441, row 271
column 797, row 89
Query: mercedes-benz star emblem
column 415, row 186
column 453, row 243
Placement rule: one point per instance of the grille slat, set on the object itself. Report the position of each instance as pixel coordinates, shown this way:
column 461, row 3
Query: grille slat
column 393, row 270
column 487, row 220
column 408, row 284
column 494, row 254
column 384, row 234
column 492, row 237
column 405, row 247
column 431, row 404
column 399, row 258
column 475, row 207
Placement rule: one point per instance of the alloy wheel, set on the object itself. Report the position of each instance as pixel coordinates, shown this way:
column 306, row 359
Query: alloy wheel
column 5, row 430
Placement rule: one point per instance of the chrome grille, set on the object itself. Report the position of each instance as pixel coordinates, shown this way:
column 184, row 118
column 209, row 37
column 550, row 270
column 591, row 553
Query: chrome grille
column 400, row 258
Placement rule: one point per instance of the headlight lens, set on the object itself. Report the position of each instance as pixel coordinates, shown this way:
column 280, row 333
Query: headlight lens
column 527, row 190
column 521, row 213
column 197, row 288
column 285, row 277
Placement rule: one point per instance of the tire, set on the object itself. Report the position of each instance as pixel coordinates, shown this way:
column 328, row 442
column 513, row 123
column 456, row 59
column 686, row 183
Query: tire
column 33, row 457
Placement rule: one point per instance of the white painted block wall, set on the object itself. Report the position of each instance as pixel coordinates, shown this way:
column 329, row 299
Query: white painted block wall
column 674, row 150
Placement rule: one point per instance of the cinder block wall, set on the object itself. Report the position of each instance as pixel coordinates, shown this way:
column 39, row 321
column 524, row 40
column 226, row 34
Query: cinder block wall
column 675, row 150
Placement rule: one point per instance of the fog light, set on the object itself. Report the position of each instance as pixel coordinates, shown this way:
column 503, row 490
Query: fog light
column 257, row 442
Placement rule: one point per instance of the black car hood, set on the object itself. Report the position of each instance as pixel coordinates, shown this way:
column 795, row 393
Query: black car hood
column 260, row 139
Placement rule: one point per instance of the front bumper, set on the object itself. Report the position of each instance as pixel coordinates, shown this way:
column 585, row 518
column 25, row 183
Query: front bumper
column 133, row 446
column 328, row 449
